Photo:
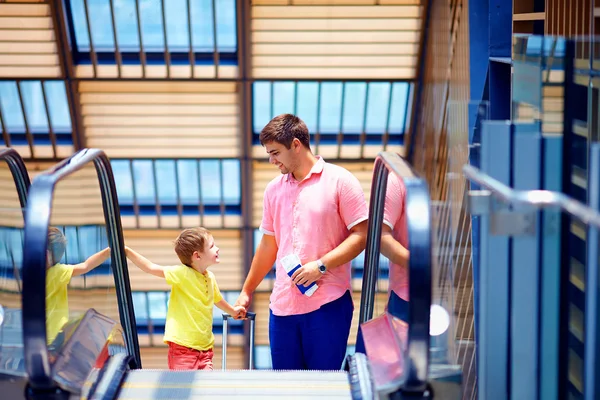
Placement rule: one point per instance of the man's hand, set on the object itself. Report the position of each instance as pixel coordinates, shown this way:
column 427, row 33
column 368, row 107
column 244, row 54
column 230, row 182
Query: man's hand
column 307, row 274
column 243, row 302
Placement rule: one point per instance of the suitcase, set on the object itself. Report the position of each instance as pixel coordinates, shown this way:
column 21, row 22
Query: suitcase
column 249, row 316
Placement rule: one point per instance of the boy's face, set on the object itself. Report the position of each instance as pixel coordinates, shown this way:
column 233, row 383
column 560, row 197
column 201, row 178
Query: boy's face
column 210, row 255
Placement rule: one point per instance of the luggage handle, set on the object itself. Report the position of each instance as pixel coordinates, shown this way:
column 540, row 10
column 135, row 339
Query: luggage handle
column 249, row 316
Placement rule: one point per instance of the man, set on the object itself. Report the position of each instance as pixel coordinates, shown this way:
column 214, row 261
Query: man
column 317, row 211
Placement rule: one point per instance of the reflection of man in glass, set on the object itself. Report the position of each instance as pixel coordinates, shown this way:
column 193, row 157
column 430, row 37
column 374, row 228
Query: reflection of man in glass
column 58, row 277
column 394, row 243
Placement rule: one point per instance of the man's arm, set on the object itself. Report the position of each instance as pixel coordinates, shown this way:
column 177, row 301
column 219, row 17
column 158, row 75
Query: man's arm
column 263, row 261
column 342, row 254
column 392, row 249
column 144, row 264
column 92, row 262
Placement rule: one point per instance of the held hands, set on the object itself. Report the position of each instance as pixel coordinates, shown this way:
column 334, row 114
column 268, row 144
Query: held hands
column 239, row 312
column 307, row 274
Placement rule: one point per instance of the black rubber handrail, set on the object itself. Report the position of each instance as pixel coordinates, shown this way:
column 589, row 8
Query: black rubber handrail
column 19, row 171
column 418, row 219
column 37, row 220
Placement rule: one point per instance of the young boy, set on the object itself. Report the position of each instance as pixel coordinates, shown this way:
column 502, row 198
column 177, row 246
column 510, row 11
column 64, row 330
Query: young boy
column 58, row 277
column 194, row 292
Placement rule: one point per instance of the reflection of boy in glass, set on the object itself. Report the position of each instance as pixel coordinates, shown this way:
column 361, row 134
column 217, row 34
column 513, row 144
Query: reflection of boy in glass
column 58, row 277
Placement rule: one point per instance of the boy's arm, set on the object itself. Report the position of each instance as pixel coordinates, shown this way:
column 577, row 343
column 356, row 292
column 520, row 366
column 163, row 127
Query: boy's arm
column 144, row 264
column 229, row 309
column 92, row 262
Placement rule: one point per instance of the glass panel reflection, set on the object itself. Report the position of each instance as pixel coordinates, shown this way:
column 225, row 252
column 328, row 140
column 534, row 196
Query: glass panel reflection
column 11, row 261
column 79, row 277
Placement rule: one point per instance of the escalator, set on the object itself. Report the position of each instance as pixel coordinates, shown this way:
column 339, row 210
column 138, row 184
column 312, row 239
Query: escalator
column 94, row 356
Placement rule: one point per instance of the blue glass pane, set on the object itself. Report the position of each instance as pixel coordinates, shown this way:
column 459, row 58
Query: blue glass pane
column 210, row 180
column 378, row 107
column 189, row 183
column 127, row 25
column 307, row 107
column 166, row 182
column 262, row 357
column 11, row 248
column 354, row 107
column 151, row 17
column 11, row 107
column 152, row 25
column 231, row 181
column 58, row 106
column 35, row 110
column 139, row 306
column 261, row 105
column 82, row 242
column 284, row 97
column 177, row 29
column 226, row 25
column 143, row 179
column 100, row 22
column 257, row 238
column 80, row 24
column 398, row 114
column 331, row 107
column 158, row 304
column 123, row 180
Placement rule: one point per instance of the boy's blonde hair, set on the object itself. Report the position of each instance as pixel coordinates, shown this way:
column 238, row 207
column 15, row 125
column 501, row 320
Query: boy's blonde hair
column 57, row 243
column 189, row 241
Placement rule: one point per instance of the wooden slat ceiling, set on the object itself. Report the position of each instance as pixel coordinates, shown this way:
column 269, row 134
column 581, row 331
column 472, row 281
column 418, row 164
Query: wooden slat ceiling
column 27, row 43
column 339, row 40
column 161, row 119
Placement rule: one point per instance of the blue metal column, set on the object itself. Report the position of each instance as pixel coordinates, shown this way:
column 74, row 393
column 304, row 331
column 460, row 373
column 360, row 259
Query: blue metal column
column 592, row 285
column 525, row 270
column 493, row 341
column 550, row 273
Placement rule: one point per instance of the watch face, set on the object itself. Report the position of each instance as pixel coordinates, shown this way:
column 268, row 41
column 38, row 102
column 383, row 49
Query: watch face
column 322, row 269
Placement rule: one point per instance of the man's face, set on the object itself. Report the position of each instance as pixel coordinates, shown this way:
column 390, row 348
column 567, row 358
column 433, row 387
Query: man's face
column 284, row 159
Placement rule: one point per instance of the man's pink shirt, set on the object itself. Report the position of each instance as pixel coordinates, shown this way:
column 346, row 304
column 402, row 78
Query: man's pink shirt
column 394, row 216
column 310, row 218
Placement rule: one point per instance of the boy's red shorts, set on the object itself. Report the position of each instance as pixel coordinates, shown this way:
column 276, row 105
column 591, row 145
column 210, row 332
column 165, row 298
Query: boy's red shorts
column 181, row 357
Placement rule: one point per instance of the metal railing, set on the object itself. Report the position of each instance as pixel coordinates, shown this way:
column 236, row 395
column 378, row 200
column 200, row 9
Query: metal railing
column 19, row 172
column 37, row 221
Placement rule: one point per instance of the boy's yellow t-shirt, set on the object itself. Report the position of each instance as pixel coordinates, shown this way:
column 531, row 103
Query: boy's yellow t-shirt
column 189, row 317
column 57, row 302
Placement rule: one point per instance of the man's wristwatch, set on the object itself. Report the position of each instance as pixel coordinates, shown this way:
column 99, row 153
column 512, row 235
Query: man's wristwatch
column 322, row 267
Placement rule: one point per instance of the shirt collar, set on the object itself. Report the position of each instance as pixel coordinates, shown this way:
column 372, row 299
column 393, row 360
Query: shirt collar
column 316, row 169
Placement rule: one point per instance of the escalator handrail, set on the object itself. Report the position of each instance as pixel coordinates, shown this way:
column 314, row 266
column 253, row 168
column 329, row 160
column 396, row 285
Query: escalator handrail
column 19, row 171
column 37, row 220
column 534, row 198
column 418, row 219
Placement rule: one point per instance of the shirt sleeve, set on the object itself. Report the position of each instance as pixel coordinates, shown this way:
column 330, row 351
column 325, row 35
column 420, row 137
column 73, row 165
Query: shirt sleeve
column 353, row 207
column 217, row 296
column 173, row 274
column 266, row 226
column 394, row 201
column 63, row 273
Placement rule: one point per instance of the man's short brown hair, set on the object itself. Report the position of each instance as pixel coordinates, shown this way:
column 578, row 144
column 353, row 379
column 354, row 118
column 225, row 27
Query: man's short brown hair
column 283, row 129
column 189, row 241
